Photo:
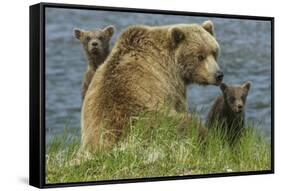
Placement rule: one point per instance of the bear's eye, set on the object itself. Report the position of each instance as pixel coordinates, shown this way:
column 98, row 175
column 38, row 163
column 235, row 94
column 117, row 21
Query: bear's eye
column 215, row 54
column 100, row 37
column 231, row 99
column 200, row 58
column 88, row 38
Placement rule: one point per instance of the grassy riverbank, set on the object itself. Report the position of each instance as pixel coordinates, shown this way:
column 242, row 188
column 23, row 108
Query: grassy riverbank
column 155, row 148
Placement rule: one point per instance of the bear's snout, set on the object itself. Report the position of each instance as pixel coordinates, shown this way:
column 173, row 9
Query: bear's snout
column 219, row 76
column 94, row 44
column 94, row 47
column 239, row 108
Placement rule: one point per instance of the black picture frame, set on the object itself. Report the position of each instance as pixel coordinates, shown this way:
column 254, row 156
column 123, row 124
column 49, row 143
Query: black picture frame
column 37, row 93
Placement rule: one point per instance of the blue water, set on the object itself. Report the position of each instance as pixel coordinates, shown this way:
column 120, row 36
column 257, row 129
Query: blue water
column 245, row 55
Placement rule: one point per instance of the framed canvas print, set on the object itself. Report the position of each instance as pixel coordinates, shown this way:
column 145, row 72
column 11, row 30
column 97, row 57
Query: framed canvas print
column 122, row 95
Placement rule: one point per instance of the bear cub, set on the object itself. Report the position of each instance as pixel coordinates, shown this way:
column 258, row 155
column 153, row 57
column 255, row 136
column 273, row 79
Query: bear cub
column 96, row 47
column 228, row 111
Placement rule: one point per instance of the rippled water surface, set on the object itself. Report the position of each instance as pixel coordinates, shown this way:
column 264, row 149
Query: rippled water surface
column 245, row 55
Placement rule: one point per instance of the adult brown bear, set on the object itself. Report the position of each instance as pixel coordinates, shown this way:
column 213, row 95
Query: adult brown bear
column 147, row 68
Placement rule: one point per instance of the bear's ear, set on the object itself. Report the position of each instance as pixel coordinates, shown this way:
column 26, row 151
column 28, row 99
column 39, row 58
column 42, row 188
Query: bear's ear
column 209, row 27
column 78, row 33
column 176, row 35
column 246, row 86
column 223, row 87
column 109, row 30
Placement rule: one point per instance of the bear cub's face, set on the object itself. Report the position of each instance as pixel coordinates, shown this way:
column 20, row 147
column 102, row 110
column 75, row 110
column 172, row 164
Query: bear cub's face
column 196, row 53
column 235, row 96
column 95, row 42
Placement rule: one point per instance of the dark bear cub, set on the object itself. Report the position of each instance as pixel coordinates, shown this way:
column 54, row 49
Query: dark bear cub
column 96, row 48
column 227, row 113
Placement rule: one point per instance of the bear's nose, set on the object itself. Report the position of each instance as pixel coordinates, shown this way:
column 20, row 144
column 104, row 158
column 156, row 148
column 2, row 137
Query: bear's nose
column 240, row 106
column 94, row 43
column 219, row 76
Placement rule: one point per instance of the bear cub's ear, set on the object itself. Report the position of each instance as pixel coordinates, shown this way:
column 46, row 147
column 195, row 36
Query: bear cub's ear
column 209, row 27
column 176, row 35
column 246, row 86
column 223, row 87
column 109, row 30
column 78, row 33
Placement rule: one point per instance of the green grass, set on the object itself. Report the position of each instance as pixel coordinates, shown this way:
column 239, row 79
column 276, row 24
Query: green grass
column 154, row 148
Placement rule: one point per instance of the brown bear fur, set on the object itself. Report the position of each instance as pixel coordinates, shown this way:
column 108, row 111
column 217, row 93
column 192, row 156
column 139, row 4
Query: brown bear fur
column 96, row 47
column 227, row 112
column 148, row 68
